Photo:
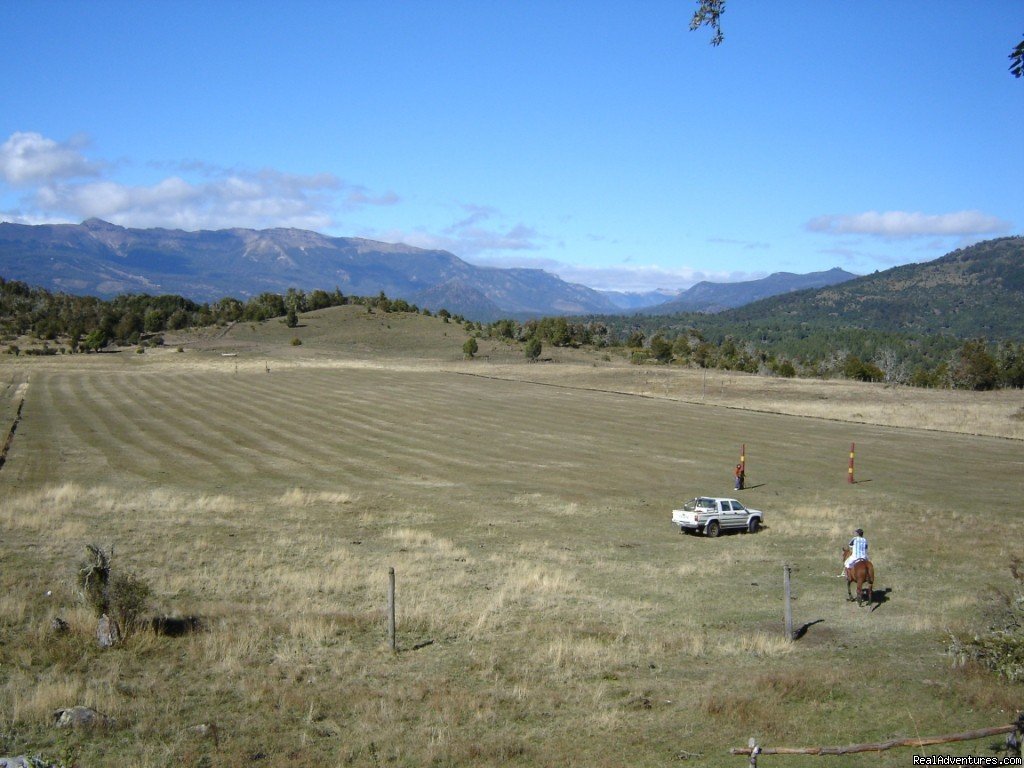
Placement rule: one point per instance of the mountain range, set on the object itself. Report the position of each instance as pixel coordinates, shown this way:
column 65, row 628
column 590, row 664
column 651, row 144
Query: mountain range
column 102, row 259
column 718, row 297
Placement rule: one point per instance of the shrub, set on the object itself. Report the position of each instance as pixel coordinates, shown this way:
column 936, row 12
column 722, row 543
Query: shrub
column 129, row 595
column 296, row 342
column 470, row 348
column 785, row 369
column 661, row 349
column 1001, row 647
column 123, row 596
column 533, row 349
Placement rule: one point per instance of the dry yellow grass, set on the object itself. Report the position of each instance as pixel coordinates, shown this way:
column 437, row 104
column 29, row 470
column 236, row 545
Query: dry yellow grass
column 548, row 614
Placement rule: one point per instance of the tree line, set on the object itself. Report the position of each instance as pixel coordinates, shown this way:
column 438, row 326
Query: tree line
column 800, row 350
column 89, row 324
column 780, row 348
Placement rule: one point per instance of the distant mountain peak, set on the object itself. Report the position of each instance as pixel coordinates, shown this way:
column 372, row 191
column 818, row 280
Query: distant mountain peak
column 100, row 224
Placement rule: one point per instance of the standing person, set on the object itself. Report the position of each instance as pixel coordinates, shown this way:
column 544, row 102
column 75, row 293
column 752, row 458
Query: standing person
column 858, row 549
column 741, row 476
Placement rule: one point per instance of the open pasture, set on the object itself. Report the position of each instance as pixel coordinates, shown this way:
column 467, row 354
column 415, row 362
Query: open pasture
column 548, row 614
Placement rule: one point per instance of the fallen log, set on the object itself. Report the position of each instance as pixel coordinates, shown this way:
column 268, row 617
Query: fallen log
column 880, row 746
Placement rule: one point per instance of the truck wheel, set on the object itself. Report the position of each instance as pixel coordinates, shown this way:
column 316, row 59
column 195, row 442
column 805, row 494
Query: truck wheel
column 754, row 525
column 713, row 529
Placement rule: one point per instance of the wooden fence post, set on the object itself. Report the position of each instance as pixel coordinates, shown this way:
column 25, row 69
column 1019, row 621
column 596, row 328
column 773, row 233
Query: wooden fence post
column 391, row 608
column 786, row 570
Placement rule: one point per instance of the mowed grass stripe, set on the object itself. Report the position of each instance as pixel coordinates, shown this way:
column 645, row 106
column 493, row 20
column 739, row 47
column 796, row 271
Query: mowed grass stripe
column 79, row 403
column 330, row 434
column 197, row 417
column 394, row 427
column 155, row 423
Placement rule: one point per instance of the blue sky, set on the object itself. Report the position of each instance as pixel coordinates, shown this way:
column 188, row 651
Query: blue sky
column 602, row 141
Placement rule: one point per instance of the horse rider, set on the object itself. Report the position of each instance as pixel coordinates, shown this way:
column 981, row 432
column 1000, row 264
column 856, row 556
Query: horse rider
column 858, row 549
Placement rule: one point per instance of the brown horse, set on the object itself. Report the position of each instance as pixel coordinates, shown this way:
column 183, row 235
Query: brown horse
column 862, row 572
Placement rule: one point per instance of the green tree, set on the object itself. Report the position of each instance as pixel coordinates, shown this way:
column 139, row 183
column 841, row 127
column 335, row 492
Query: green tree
column 96, row 340
column 505, row 329
column 319, row 300
column 681, row 347
column 785, row 369
column 291, row 319
column 857, row 369
column 470, row 348
column 661, row 349
column 972, row 367
column 1011, row 364
column 533, row 349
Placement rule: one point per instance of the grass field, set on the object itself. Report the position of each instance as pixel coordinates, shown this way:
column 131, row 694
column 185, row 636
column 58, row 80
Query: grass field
column 548, row 613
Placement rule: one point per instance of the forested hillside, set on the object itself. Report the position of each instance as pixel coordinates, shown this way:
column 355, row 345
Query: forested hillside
column 971, row 292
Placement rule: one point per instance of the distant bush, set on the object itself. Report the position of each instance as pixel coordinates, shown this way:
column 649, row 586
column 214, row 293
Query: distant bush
column 661, row 349
column 296, row 342
column 855, row 368
column 532, row 349
column 470, row 348
column 785, row 369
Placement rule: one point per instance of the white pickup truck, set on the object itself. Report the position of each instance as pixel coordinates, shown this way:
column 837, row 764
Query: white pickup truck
column 710, row 515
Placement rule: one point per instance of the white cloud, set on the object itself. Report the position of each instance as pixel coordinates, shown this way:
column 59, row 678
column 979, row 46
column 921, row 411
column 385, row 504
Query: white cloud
column 474, row 238
column 468, row 238
column 59, row 184
column 903, row 224
column 257, row 201
column 30, row 158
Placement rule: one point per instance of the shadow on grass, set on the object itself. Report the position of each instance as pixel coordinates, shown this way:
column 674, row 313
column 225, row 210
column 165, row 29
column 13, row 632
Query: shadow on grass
column 752, row 487
column 799, row 633
column 879, row 597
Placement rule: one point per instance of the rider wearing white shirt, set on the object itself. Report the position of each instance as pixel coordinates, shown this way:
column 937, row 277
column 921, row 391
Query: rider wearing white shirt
column 858, row 548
